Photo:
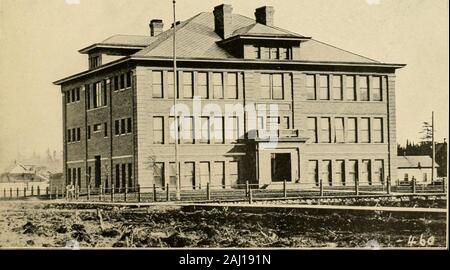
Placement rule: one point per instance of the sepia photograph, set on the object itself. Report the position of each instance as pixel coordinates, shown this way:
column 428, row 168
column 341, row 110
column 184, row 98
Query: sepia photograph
column 224, row 124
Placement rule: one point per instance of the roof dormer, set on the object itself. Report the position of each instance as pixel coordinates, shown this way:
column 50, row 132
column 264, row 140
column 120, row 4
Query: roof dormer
column 260, row 40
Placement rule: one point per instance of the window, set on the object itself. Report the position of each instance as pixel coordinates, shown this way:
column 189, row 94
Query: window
column 219, row 174
column 122, row 81
column 378, row 130
column 284, row 54
column 79, row 176
column 378, row 171
column 205, row 129
column 256, row 52
column 158, row 174
column 285, row 123
column 272, row 86
column 174, row 134
column 188, row 88
column 188, row 130
column 97, row 128
column 129, row 75
column 365, row 172
column 365, row 130
column 405, row 177
column 94, row 61
column 69, row 176
column 339, row 172
column 232, row 88
column 105, row 125
column 74, row 135
column 204, row 173
column 89, row 132
column 273, row 125
column 265, row 86
column 172, row 174
column 218, row 129
column 189, row 174
column 352, row 170
column 233, row 168
column 117, row 127
column 69, row 135
column 202, row 84
column 123, row 126
column 170, row 84
column 277, row 86
column 339, row 130
column 326, row 172
column 73, row 95
column 129, row 126
column 325, row 130
column 116, row 83
column 273, row 53
column 265, row 53
column 313, row 176
column 117, row 176
column 312, row 129
column 324, row 91
column 376, row 89
column 310, row 87
column 232, row 128
column 350, row 88
column 78, row 134
column 124, row 175
column 364, row 88
column 337, row 87
column 68, row 100
column 157, row 85
column 130, row 175
column 158, row 130
column 218, row 85
column 99, row 94
column 352, row 135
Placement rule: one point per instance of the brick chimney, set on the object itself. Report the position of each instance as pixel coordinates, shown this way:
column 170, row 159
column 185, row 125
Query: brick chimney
column 156, row 27
column 264, row 15
column 223, row 20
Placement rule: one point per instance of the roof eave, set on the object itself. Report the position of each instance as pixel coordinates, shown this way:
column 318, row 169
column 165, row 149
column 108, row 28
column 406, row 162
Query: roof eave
column 110, row 46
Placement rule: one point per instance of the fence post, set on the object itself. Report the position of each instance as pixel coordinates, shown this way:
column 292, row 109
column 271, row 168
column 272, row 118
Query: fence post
column 167, row 193
column 388, row 185
column 125, row 193
column 46, row 190
column 250, row 196
column 38, row 190
column 208, row 192
column 10, row 192
column 32, row 190
column 88, row 192
column 246, row 188
column 284, row 188
column 413, row 183
column 139, row 193
column 321, row 187
column 4, row 192
column 100, row 192
column 357, row 187
column 25, row 192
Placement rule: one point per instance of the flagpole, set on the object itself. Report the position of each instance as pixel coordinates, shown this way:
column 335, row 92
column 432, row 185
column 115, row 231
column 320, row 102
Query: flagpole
column 432, row 147
column 175, row 74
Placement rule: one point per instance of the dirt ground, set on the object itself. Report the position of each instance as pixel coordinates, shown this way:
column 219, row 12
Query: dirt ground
column 42, row 225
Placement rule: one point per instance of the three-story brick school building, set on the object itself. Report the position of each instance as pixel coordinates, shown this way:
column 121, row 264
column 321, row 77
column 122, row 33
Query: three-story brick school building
column 334, row 113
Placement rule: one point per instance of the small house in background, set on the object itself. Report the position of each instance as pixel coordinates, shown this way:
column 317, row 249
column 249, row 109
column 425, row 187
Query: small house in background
column 418, row 167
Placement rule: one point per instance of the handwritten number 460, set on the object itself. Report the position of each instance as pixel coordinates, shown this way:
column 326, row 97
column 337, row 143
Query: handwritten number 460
column 422, row 241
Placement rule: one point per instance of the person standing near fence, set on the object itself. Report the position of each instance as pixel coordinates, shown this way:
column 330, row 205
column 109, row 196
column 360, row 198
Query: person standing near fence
column 70, row 191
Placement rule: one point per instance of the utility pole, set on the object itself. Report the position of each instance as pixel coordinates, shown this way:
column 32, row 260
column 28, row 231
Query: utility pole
column 175, row 75
column 432, row 147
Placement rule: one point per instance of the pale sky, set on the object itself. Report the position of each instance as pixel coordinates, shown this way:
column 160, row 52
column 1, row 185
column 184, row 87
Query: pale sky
column 39, row 40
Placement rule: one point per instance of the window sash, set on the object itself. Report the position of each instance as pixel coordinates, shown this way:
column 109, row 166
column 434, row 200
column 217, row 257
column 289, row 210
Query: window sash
column 218, row 130
column 311, row 87
column 324, row 91
column 337, row 87
column 378, row 130
column 364, row 88
column 339, row 130
column 350, row 88
column 232, row 86
column 365, row 130
column 312, row 129
column 157, row 84
column 205, row 129
column 325, row 130
column 352, row 130
column 158, row 130
column 188, row 87
column 218, row 85
column 202, row 84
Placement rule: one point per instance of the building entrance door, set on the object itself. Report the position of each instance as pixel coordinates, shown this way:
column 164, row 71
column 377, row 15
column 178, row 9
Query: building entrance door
column 281, row 167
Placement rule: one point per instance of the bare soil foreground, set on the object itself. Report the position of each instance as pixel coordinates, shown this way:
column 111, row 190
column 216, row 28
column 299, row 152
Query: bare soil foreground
column 26, row 224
